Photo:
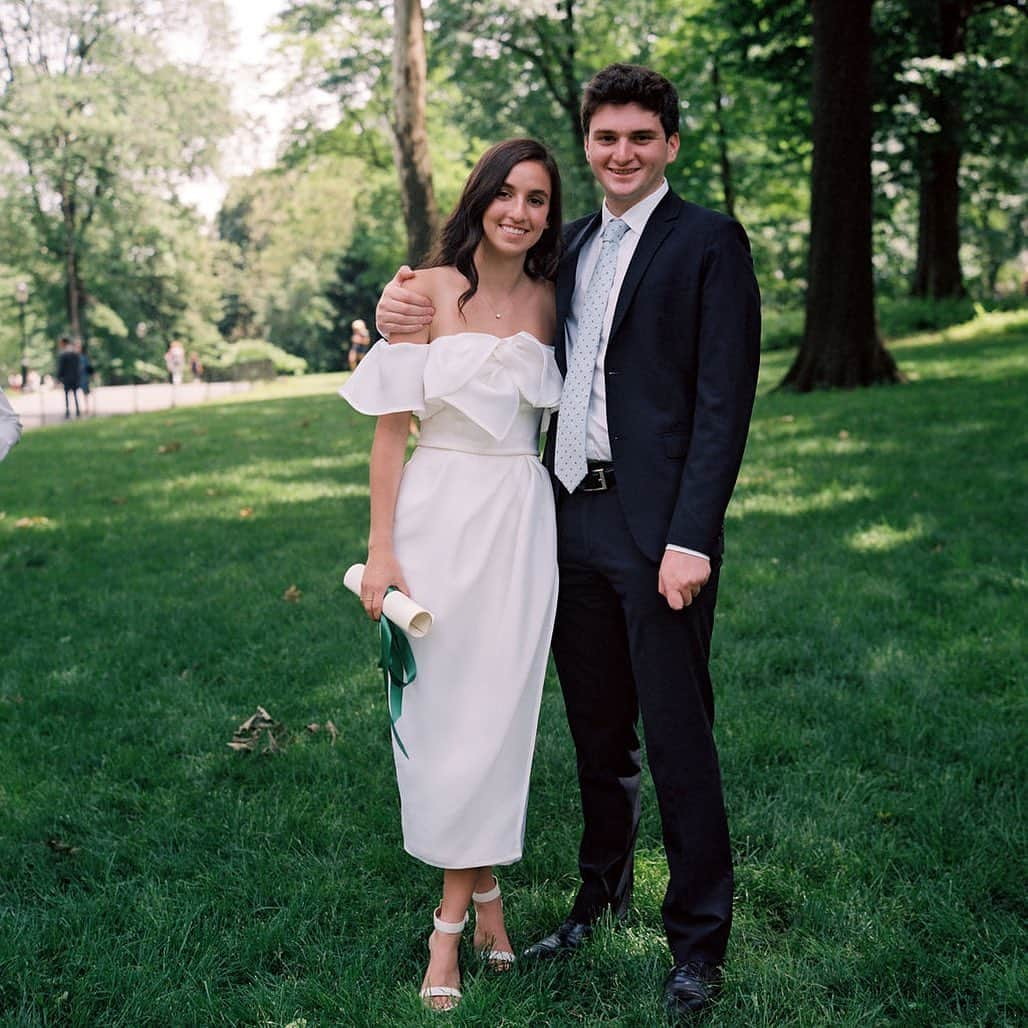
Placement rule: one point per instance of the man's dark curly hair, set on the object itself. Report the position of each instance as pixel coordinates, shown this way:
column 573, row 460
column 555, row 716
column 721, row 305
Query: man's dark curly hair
column 632, row 83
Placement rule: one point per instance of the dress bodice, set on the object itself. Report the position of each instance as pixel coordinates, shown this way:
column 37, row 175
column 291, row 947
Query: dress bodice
column 472, row 391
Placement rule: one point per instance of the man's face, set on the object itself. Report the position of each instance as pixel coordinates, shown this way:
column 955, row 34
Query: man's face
column 628, row 153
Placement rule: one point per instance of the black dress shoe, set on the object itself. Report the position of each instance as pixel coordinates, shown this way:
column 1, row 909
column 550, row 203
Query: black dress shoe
column 566, row 939
column 691, row 987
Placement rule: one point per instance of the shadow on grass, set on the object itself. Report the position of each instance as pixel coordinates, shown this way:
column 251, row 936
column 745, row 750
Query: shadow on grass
column 866, row 660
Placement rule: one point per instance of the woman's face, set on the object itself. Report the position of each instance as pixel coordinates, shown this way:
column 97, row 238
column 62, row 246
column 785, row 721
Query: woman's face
column 519, row 213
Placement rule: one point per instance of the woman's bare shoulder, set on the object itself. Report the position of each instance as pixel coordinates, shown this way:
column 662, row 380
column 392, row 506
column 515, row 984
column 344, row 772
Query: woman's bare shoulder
column 544, row 299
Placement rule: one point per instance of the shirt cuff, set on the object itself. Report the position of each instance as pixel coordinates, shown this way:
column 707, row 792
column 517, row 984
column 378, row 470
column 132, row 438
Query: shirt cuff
column 685, row 549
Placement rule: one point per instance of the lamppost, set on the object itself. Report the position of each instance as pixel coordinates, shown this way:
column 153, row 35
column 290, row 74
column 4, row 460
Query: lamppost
column 21, row 294
column 141, row 329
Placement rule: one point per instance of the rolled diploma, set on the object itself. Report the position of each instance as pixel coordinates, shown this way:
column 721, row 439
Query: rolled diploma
column 400, row 609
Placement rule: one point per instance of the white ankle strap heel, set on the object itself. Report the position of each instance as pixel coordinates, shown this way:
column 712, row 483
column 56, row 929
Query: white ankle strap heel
column 490, row 895
column 497, row 959
column 448, row 927
column 431, row 992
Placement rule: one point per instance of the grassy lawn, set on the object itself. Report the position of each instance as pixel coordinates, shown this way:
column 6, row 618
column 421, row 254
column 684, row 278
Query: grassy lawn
column 868, row 662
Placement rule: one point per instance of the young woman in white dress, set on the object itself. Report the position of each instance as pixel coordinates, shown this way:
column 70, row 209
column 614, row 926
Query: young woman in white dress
column 467, row 528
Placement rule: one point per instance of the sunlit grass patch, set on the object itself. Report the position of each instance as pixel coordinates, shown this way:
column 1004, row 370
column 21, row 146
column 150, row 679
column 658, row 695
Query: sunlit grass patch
column 868, row 664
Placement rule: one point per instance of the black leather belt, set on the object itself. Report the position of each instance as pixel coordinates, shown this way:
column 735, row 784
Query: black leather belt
column 599, row 478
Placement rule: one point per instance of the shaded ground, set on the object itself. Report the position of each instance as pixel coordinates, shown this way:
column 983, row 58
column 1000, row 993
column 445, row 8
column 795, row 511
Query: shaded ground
column 868, row 663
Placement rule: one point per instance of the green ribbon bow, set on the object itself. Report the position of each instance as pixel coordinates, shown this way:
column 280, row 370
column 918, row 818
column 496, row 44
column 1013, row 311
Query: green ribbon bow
column 398, row 669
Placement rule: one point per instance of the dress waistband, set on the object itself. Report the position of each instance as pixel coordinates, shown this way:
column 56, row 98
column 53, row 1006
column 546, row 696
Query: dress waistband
column 479, row 453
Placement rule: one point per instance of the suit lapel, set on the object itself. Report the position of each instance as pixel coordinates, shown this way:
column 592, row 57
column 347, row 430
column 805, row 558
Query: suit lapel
column 566, row 286
column 661, row 222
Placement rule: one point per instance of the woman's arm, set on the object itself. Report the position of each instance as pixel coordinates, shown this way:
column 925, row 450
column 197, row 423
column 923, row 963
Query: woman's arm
column 382, row 569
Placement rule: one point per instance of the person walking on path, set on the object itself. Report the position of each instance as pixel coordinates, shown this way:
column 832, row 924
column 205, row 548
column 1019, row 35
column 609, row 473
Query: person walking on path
column 660, row 368
column 69, row 374
column 175, row 362
column 360, row 343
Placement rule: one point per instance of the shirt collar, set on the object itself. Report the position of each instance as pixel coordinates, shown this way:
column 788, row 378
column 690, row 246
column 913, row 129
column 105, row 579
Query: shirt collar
column 636, row 217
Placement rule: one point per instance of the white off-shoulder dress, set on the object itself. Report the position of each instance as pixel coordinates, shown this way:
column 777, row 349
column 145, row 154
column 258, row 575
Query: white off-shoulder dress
column 475, row 536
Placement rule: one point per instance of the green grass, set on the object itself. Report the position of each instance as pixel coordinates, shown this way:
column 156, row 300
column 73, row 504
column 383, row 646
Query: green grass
column 871, row 722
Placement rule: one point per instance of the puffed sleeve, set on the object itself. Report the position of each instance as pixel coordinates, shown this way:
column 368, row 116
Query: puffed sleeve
column 391, row 378
column 10, row 426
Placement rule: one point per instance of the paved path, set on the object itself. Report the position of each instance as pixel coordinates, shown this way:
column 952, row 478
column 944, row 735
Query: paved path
column 47, row 406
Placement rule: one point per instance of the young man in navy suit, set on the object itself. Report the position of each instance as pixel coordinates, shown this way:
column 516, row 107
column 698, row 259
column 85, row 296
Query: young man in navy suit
column 660, row 359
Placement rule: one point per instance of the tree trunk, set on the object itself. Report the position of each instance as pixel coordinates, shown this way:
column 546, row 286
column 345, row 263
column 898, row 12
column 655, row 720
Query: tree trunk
column 938, row 271
column 570, row 99
column 725, row 163
column 841, row 347
column 413, row 164
column 72, row 280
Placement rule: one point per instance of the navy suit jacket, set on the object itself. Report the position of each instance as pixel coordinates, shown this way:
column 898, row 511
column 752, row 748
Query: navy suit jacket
column 681, row 372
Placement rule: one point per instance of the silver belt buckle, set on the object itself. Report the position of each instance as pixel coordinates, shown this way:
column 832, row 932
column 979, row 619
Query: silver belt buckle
column 601, row 473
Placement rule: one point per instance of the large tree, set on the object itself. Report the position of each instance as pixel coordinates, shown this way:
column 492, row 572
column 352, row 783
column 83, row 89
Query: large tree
column 841, row 346
column 942, row 79
column 413, row 163
column 96, row 116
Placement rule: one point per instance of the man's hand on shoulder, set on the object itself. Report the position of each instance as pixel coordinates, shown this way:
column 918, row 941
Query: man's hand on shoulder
column 401, row 311
column 681, row 577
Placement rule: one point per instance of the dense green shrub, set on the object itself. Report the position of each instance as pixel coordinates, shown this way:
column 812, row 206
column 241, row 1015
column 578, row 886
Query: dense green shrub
column 242, row 359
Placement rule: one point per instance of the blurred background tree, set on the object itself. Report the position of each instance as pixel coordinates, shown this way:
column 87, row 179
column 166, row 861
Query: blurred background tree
column 101, row 124
column 104, row 120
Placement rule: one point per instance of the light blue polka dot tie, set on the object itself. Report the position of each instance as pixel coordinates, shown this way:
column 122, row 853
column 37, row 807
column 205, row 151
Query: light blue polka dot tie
column 569, row 463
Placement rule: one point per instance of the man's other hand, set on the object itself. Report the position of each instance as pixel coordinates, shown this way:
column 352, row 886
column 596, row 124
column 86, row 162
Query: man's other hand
column 681, row 577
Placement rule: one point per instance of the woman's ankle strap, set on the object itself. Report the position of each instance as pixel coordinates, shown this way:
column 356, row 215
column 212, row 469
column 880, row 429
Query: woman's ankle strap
column 490, row 894
column 448, row 927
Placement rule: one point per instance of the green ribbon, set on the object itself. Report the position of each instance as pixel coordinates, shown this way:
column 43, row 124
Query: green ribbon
column 398, row 669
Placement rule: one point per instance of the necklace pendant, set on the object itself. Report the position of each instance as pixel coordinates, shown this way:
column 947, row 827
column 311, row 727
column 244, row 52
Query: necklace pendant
column 498, row 316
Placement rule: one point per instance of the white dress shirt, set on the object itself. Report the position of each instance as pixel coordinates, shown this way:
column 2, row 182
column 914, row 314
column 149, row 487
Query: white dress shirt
column 10, row 426
column 597, row 440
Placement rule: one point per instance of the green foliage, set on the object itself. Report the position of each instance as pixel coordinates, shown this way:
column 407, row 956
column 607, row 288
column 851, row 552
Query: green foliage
column 99, row 127
column 285, row 234
column 110, row 128
column 250, row 351
column 867, row 663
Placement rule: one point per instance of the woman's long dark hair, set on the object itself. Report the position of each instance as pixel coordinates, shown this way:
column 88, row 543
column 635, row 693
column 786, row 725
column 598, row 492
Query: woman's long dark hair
column 462, row 232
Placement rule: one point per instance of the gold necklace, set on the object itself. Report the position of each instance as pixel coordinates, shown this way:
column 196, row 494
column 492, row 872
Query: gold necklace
column 510, row 296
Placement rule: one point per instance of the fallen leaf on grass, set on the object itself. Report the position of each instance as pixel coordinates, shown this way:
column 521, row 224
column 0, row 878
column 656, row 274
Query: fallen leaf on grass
column 61, row 847
column 330, row 729
column 37, row 521
column 173, row 447
column 259, row 728
column 246, row 512
column 292, row 595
